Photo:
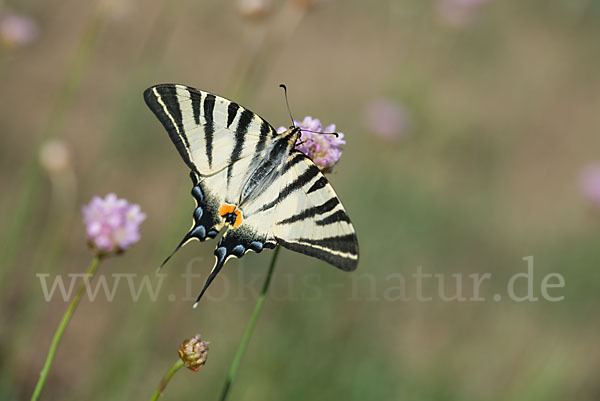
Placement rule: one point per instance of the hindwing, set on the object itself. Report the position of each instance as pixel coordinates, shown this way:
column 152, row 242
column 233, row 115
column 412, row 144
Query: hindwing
column 310, row 218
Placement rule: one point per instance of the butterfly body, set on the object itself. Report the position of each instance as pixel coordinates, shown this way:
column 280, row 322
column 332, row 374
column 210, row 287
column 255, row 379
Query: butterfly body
column 251, row 182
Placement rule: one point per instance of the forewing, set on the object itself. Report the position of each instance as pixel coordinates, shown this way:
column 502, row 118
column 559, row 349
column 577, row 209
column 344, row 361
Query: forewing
column 211, row 133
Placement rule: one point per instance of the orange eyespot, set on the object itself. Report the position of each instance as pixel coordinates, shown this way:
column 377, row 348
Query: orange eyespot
column 238, row 218
column 226, row 210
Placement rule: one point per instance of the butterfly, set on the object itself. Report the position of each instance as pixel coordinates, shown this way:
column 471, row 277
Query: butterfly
column 251, row 182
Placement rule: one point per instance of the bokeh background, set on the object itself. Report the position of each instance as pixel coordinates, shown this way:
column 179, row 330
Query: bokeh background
column 472, row 133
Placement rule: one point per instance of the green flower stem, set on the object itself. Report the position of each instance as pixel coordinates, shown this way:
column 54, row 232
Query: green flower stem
column 246, row 339
column 165, row 380
column 61, row 328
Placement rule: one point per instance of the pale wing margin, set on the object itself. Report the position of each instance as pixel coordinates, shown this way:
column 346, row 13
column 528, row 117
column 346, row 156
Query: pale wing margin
column 210, row 132
column 310, row 218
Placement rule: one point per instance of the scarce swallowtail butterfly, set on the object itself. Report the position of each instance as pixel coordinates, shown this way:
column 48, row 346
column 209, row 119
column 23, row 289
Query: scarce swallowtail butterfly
column 251, row 181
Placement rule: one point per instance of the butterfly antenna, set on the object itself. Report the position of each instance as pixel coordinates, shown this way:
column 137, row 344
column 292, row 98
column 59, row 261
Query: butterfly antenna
column 293, row 123
column 322, row 133
column 287, row 103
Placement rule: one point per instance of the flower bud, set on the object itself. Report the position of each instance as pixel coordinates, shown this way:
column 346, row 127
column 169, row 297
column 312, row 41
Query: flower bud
column 193, row 352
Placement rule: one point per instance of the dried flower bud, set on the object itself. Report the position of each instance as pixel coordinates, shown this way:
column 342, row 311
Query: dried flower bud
column 193, row 352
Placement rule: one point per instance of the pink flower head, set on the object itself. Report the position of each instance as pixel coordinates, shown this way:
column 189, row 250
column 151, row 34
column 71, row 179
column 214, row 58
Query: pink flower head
column 387, row 119
column 324, row 150
column 590, row 183
column 17, row 30
column 112, row 224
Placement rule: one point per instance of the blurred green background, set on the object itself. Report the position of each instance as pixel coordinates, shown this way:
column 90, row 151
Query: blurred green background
column 493, row 115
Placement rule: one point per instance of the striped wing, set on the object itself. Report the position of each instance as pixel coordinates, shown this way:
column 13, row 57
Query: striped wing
column 310, row 218
column 211, row 133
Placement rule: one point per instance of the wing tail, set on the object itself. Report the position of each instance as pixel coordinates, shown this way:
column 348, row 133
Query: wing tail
column 236, row 242
column 221, row 255
column 206, row 223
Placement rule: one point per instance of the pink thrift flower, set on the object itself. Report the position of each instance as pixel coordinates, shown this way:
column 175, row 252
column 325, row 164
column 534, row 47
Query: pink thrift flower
column 17, row 30
column 324, row 150
column 386, row 119
column 590, row 183
column 112, row 224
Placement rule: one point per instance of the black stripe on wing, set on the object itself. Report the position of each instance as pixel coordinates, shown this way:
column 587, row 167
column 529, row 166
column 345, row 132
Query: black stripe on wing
column 312, row 211
column 336, row 217
column 320, row 183
column 209, row 126
column 340, row 251
column 232, row 110
column 265, row 130
column 196, row 102
column 311, row 172
column 240, row 137
column 163, row 102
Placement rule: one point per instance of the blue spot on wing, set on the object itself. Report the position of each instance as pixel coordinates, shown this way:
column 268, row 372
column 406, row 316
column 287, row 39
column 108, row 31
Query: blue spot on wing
column 197, row 193
column 238, row 250
column 221, row 253
column 256, row 246
column 198, row 232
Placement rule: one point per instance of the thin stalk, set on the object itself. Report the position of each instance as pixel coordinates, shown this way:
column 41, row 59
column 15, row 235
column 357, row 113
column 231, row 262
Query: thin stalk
column 246, row 339
column 61, row 328
column 165, row 380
